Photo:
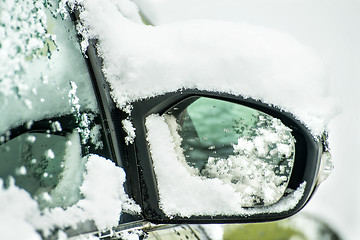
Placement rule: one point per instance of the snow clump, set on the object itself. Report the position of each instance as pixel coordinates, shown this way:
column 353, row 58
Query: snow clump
column 142, row 61
column 104, row 201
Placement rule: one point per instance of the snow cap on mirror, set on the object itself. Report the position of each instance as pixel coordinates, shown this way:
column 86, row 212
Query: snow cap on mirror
column 250, row 61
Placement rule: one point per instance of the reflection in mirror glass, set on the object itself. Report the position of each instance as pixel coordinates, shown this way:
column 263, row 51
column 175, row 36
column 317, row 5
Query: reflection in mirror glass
column 245, row 148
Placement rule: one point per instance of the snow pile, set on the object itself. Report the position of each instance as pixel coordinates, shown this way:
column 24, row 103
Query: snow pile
column 261, row 164
column 195, row 194
column 16, row 208
column 104, row 201
column 142, row 61
column 105, row 198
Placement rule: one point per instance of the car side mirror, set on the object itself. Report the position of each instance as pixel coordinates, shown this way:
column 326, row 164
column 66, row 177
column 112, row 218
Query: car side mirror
column 214, row 144
column 209, row 157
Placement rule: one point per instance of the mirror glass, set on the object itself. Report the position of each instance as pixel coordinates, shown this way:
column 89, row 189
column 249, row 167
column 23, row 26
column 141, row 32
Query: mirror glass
column 246, row 149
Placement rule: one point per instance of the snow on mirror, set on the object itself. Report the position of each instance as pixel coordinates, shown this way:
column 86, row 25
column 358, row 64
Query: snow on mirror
column 245, row 148
column 239, row 148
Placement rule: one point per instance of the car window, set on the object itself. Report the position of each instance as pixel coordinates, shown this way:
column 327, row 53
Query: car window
column 47, row 166
column 49, row 114
column 52, row 80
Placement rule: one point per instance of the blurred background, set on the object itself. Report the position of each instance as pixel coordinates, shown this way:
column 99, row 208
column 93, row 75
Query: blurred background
column 332, row 29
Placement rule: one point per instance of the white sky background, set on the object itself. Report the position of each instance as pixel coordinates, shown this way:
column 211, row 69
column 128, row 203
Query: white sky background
column 332, row 29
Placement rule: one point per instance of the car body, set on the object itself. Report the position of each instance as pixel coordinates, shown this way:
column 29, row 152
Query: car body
column 73, row 149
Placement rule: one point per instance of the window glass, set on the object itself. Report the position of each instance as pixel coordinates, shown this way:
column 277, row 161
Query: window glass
column 48, row 166
column 53, row 79
column 49, row 114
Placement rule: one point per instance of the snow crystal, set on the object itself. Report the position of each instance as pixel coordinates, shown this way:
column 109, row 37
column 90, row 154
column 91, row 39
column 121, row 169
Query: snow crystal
column 31, row 138
column 21, row 171
column 56, row 126
column 49, row 154
column 105, row 198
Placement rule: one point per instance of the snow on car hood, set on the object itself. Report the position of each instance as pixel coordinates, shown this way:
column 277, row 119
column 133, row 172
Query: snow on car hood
column 142, row 61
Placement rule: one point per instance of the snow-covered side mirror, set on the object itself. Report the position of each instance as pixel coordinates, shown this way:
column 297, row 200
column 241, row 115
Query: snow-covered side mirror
column 218, row 144
column 213, row 157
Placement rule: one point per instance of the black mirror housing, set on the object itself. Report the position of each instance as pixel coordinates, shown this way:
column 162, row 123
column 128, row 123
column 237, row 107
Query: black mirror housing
column 305, row 169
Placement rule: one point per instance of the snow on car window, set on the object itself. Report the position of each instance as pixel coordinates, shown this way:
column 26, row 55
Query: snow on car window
column 193, row 195
column 102, row 204
column 39, row 59
column 142, row 61
column 51, row 175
